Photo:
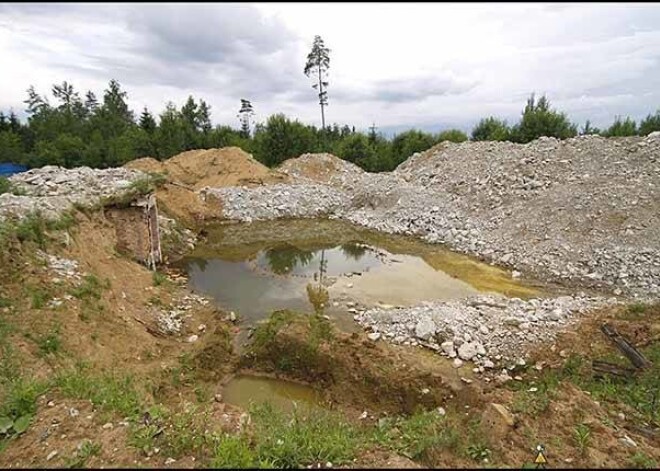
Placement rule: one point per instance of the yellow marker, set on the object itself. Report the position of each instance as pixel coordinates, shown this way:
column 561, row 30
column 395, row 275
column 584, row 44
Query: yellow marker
column 540, row 457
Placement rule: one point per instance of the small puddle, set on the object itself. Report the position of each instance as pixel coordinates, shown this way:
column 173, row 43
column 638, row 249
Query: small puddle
column 254, row 269
column 244, row 390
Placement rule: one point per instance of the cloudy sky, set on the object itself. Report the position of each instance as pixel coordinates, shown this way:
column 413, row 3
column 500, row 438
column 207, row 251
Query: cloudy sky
column 429, row 66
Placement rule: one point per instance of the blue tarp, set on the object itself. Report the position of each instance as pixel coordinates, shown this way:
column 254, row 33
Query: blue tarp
column 7, row 170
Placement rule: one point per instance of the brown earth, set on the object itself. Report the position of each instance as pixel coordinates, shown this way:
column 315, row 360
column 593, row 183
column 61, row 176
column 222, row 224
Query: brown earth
column 193, row 170
column 318, row 167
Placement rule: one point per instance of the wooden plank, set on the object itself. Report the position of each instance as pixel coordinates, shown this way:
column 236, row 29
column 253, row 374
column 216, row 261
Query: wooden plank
column 612, row 369
column 634, row 355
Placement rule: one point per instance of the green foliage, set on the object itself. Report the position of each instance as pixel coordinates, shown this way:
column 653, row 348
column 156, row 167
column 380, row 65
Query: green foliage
column 641, row 460
column 648, row 125
column 538, row 119
column 86, row 450
column 582, row 437
column 491, row 129
column 110, row 392
column 234, row 452
column 304, row 438
column 637, row 308
column 417, row 436
column 622, row 128
column 90, row 288
column 265, row 332
column 20, row 398
column 280, row 139
column 452, row 135
column 5, row 185
column 478, row 452
column 158, row 278
column 50, row 343
column 407, row 143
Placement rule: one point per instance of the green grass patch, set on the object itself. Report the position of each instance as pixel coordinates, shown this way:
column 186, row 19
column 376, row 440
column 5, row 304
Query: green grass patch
column 86, row 450
column 641, row 460
column 5, row 185
column 38, row 296
column 90, row 288
column 158, row 278
column 418, row 436
column 111, row 392
column 51, row 343
column 139, row 187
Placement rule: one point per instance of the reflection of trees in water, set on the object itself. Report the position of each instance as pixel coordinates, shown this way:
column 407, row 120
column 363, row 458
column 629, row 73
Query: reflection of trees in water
column 353, row 250
column 201, row 263
column 283, row 259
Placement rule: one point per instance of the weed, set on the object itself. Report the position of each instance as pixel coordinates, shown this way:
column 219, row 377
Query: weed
column 265, row 332
column 159, row 278
column 582, row 436
column 4, row 302
column 641, row 460
column 478, row 452
column 532, row 403
column 86, row 450
column 20, row 397
column 32, row 228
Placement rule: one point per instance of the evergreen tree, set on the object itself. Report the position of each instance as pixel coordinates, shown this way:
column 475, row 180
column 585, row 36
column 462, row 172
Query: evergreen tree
column 318, row 62
column 650, row 124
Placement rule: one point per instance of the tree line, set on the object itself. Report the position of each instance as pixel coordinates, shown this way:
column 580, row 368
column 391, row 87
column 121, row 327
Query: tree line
column 73, row 130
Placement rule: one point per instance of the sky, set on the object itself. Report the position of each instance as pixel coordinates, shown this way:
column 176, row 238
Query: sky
column 395, row 65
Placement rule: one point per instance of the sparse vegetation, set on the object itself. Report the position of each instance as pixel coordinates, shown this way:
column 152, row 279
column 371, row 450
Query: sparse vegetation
column 582, row 437
column 158, row 278
column 641, row 460
column 50, row 343
column 90, row 288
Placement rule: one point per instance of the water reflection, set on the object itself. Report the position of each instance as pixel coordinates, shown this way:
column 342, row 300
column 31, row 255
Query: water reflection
column 284, row 258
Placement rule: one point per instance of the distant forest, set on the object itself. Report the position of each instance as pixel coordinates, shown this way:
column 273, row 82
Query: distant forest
column 75, row 131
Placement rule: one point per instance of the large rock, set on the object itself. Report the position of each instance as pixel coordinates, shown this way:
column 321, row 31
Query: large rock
column 467, row 351
column 425, row 329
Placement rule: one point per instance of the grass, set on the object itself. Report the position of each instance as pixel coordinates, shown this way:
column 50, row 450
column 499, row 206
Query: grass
column 419, row 436
column 158, row 278
column 641, row 460
column 34, row 227
column 108, row 391
column 85, row 451
column 5, row 185
column 38, row 296
column 20, row 397
column 90, row 288
column 275, row 439
column 50, row 343
column 139, row 187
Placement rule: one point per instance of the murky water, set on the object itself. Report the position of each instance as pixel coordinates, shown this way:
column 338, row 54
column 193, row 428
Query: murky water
column 244, row 390
column 258, row 268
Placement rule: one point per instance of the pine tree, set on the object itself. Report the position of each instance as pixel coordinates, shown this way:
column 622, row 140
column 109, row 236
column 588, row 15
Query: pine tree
column 318, row 62
column 147, row 121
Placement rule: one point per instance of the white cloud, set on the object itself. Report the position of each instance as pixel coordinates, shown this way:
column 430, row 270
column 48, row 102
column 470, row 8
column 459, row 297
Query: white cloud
column 394, row 64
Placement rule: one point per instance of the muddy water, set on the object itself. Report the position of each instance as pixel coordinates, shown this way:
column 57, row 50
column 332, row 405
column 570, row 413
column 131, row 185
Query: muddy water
column 254, row 269
column 244, row 390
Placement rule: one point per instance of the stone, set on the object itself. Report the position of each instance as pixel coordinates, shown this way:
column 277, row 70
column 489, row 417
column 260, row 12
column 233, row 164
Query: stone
column 51, row 455
column 107, row 426
column 425, row 329
column 374, row 336
column 441, row 411
column 193, row 338
column 448, row 347
column 467, row 351
column 232, row 316
column 457, row 363
column 497, row 421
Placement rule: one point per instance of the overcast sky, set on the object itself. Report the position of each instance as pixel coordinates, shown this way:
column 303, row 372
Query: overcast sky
column 429, row 66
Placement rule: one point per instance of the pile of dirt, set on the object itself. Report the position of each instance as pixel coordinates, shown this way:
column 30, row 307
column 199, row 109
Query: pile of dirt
column 229, row 166
column 318, row 167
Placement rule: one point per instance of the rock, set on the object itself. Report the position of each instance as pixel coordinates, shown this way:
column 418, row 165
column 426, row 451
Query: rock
column 169, row 461
column 218, row 397
column 193, row 338
column 441, row 411
column 457, row 363
column 201, row 328
column 73, row 412
column 51, row 455
column 107, row 426
column 374, row 336
column 496, row 421
column 626, row 440
column 232, row 316
column 488, row 364
column 448, row 347
column 467, row 351
column 425, row 329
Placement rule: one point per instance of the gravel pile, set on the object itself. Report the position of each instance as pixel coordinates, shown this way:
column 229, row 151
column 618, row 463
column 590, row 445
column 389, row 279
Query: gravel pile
column 279, row 201
column 486, row 329
column 584, row 211
column 53, row 190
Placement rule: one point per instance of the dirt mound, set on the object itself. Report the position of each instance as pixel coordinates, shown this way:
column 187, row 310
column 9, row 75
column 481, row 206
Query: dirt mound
column 228, row 166
column 318, row 167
